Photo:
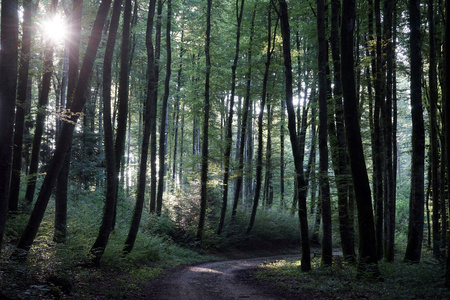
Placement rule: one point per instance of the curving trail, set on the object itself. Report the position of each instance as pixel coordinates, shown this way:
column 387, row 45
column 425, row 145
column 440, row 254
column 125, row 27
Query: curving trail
column 213, row 280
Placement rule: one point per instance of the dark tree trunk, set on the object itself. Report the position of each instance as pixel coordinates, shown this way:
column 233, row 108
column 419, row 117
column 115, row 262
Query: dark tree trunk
column 204, row 169
column 229, row 129
column 417, row 197
column 41, row 114
column 434, row 155
column 337, row 140
column 122, row 107
column 323, row 146
column 63, row 143
column 142, row 173
column 298, row 159
column 73, row 48
column 8, row 79
column 154, row 111
column 98, row 248
column 447, row 115
column 162, row 133
column 268, row 189
column 367, row 240
column 258, row 179
column 21, row 104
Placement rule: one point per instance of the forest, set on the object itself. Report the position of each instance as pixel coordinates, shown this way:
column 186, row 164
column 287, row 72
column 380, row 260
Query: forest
column 141, row 136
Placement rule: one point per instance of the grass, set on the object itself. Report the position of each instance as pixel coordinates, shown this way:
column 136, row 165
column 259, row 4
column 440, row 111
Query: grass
column 400, row 281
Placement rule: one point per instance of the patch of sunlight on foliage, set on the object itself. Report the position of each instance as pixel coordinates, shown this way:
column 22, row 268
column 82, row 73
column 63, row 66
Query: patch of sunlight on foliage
column 401, row 281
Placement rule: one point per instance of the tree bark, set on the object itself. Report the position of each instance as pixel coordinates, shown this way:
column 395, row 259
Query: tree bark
column 8, row 79
column 142, row 173
column 99, row 246
column 417, row 197
column 367, row 240
column 298, row 160
column 205, row 138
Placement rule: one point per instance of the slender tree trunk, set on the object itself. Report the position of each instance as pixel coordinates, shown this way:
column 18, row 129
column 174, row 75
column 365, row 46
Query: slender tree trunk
column 204, row 169
column 142, row 173
column 434, row 156
column 337, row 140
column 19, row 123
column 447, row 115
column 63, row 143
column 8, row 78
column 298, row 160
column 244, row 125
column 258, row 179
column 40, row 116
column 73, row 48
column 162, row 133
column 416, row 218
column 99, row 246
column 229, row 129
column 367, row 240
column 154, row 111
column 323, row 147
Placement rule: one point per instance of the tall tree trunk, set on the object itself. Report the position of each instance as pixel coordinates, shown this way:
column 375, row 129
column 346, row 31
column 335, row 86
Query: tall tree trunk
column 229, row 129
column 204, row 168
column 122, row 107
column 142, row 172
column 268, row 189
column 323, row 147
column 154, row 111
column 8, row 78
column 245, row 121
column 337, row 140
column 73, row 48
column 258, row 179
column 162, row 133
column 434, row 156
column 41, row 113
column 417, row 197
column 298, row 159
column 367, row 240
column 98, row 248
column 63, row 143
column 19, row 123
column 447, row 116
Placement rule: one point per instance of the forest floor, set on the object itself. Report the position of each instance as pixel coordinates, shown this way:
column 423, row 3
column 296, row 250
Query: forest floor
column 232, row 275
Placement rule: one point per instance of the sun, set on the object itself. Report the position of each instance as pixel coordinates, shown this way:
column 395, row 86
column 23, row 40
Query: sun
column 55, row 28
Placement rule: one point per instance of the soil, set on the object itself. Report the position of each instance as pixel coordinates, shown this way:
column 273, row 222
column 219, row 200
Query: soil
column 231, row 279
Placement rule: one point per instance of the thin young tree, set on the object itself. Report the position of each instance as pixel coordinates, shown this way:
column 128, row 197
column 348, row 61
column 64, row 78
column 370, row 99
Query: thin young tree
column 29, row 234
column 417, row 196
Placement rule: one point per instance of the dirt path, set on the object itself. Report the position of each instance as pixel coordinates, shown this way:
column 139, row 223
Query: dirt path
column 214, row 280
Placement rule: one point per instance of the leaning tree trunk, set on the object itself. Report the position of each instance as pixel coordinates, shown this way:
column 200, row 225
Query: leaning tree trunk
column 142, row 173
column 63, row 143
column 298, row 159
column 98, row 248
column 41, row 114
column 417, row 196
column 367, row 240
